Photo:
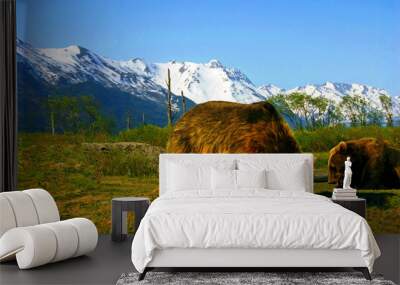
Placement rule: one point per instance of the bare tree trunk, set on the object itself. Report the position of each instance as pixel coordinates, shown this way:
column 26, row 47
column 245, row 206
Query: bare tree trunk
column 169, row 95
column 183, row 103
column 128, row 122
column 389, row 120
column 53, row 128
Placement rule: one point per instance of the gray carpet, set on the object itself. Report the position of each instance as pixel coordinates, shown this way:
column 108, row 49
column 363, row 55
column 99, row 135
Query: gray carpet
column 269, row 278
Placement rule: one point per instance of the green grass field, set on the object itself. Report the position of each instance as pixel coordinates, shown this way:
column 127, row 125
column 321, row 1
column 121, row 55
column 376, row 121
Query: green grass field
column 84, row 173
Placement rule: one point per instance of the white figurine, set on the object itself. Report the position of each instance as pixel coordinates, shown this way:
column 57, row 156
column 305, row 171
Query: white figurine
column 347, row 174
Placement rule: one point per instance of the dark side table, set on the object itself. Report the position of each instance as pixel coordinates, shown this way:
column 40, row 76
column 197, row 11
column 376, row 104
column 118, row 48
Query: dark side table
column 119, row 208
column 358, row 205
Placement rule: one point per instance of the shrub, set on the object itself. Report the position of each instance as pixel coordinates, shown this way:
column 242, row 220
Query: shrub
column 117, row 162
column 149, row 134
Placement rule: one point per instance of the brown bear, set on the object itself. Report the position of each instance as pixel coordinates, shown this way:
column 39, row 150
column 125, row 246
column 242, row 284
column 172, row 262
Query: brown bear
column 225, row 127
column 375, row 165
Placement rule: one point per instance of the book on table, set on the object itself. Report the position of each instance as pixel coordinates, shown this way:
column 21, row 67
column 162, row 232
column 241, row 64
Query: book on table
column 341, row 190
column 334, row 197
column 344, row 194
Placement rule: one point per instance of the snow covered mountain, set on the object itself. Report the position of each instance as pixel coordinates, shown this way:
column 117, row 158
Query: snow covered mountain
column 120, row 87
column 270, row 90
column 75, row 64
column 200, row 82
column 208, row 81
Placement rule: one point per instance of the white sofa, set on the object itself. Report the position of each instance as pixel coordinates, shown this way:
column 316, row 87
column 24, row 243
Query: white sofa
column 31, row 230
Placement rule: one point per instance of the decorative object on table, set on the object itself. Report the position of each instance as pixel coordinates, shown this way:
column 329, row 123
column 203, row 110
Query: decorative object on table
column 32, row 233
column 345, row 193
column 120, row 207
column 357, row 205
column 223, row 278
column 347, row 174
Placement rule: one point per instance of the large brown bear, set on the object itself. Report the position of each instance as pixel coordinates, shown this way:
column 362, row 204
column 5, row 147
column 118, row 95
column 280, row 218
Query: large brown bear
column 225, row 127
column 375, row 164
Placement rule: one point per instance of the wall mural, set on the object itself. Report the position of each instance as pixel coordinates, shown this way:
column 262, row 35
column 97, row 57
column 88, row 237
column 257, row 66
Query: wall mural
column 104, row 88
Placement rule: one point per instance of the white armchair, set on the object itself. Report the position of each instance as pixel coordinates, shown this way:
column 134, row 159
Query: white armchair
column 31, row 230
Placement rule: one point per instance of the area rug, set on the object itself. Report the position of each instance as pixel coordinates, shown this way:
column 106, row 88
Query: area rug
column 268, row 278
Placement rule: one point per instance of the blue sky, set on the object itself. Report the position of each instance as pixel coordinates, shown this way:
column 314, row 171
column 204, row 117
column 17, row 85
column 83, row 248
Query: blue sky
column 287, row 43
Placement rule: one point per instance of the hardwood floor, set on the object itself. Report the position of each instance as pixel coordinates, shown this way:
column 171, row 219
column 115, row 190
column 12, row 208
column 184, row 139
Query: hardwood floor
column 111, row 259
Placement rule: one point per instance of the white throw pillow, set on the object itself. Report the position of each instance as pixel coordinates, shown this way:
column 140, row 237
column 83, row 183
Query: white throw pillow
column 280, row 174
column 184, row 178
column 223, row 179
column 188, row 174
column 251, row 178
column 291, row 178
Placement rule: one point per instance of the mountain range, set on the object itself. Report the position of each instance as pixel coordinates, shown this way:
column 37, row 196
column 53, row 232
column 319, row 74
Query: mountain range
column 139, row 87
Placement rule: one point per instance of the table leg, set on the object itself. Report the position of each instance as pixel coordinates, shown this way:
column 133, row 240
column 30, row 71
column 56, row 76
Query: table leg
column 140, row 211
column 116, row 222
column 124, row 221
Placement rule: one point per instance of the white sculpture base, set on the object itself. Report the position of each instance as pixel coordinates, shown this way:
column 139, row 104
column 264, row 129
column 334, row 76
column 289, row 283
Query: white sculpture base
column 344, row 194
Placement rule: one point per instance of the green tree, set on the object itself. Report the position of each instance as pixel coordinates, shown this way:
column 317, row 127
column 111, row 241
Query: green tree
column 356, row 108
column 92, row 120
column 281, row 105
column 76, row 114
column 375, row 116
column 387, row 106
column 300, row 104
column 318, row 106
column 334, row 115
column 64, row 113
